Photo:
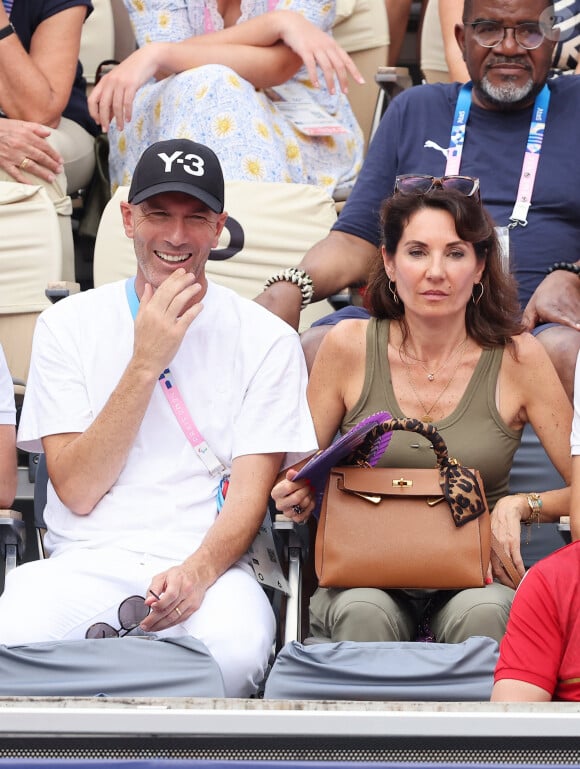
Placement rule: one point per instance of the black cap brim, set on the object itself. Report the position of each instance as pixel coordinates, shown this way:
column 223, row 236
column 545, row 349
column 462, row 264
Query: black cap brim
column 188, row 189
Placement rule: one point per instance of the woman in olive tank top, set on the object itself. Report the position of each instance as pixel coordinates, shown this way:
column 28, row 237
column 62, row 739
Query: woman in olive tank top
column 445, row 345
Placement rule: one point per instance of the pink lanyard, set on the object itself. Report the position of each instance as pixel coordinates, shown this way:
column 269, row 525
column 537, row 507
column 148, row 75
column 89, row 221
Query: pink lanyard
column 176, row 402
column 200, row 445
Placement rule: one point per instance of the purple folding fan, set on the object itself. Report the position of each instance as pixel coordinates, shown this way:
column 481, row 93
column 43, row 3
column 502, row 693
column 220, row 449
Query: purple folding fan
column 317, row 468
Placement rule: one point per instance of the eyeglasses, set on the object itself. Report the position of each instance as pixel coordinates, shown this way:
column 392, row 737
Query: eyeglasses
column 131, row 613
column 528, row 35
column 419, row 184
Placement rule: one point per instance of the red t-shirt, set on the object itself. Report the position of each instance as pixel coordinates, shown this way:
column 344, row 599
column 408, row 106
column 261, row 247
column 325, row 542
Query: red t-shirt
column 542, row 641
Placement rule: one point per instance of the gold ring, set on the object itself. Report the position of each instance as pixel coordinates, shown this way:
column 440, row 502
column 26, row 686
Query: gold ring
column 25, row 161
column 177, row 610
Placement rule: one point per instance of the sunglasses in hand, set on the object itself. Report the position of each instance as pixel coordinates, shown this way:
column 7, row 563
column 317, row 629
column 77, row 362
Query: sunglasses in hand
column 131, row 613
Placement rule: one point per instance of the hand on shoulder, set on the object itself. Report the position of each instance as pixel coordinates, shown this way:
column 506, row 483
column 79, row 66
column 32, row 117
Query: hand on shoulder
column 527, row 348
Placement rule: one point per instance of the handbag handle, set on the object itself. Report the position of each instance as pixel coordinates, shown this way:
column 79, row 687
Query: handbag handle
column 459, row 484
column 505, row 560
column 361, row 454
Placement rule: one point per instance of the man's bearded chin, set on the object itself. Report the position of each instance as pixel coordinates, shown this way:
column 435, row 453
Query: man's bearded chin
column 508, row 94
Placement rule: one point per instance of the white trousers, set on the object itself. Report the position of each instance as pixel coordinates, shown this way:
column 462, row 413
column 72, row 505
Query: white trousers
column 60, row 597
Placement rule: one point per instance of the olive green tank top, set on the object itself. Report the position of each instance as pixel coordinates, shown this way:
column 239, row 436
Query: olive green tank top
column 474, row 432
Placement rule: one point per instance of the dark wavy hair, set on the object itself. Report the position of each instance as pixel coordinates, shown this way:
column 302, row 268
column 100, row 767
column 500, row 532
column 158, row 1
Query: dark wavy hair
column 494, row 319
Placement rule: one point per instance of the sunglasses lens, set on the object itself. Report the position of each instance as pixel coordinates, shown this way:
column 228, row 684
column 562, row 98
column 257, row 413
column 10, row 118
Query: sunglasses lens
column 101, row 630
column 418, row 184
column 462, row 184
column 132, row 612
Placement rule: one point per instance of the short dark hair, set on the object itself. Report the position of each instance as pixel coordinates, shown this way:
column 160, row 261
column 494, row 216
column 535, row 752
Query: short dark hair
column 496, row 317
column 468, row 7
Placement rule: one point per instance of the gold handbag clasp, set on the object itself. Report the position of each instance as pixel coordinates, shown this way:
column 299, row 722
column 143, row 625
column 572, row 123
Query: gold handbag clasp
column 402, row 482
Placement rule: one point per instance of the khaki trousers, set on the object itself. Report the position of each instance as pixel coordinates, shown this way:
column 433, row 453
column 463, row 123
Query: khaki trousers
column 369, row 614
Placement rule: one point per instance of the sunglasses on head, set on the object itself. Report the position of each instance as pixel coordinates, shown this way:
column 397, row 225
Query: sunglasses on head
column 419, row 184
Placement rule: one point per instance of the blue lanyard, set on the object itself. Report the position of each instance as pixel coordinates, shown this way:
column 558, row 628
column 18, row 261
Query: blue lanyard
column 457, row 138
column 531, row 157
column 132, row 297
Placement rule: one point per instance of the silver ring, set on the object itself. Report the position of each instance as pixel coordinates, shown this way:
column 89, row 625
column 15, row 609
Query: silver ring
column 297, row 509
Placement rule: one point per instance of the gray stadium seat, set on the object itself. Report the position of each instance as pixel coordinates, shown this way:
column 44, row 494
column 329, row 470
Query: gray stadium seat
column 386, row 671
column 131, row 666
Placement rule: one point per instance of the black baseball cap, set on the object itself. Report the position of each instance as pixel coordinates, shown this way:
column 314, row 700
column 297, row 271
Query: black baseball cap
column 179, row 165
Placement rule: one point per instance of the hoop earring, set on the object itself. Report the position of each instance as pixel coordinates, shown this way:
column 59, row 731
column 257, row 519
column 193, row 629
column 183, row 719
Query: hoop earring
column 393, row 291
column 477, row 300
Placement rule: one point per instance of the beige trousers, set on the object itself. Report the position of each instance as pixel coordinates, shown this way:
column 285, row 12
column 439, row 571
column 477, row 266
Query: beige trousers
column 77, row 148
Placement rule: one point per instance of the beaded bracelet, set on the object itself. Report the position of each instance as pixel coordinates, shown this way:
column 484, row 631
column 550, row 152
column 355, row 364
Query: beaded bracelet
column 567, row 266
column 299, row 278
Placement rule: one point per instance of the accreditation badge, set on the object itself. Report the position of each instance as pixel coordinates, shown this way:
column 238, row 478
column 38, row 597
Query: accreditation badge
column 503, row 237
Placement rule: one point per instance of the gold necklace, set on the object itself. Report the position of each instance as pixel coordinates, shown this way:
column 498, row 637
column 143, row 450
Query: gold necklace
column 431, row 374
column 427, row 415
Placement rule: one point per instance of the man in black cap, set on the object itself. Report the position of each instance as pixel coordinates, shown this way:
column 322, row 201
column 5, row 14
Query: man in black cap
column 149, row 405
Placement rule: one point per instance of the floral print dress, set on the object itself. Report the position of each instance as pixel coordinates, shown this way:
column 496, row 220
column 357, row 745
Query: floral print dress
column 211, row 104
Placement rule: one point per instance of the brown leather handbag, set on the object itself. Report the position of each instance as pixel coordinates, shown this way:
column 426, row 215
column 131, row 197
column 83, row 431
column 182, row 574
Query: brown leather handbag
column 403, row 527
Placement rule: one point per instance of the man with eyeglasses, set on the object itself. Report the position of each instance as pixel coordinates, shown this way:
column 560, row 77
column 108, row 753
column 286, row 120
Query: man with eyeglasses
column 491, row 129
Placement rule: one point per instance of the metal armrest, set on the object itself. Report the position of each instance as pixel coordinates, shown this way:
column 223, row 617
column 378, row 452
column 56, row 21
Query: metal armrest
column 564, row 528
column 12, row 538
column 295, row 550
column 60, row 289
column 392, row 80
